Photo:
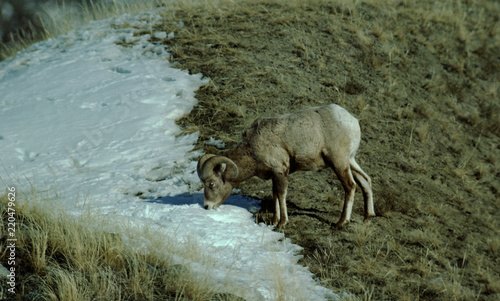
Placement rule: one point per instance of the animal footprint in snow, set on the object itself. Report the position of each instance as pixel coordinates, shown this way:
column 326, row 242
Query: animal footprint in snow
column 120, row 70
column 26, row 156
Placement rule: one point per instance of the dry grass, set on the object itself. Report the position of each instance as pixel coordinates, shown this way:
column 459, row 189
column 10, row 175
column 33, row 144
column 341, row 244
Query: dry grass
column 62, row 257
column 69, row 16
column 422, row 77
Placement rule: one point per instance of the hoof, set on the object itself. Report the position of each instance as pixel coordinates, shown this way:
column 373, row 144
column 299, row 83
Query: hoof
column 367, row 217
column 281, row 225
column 341, row 224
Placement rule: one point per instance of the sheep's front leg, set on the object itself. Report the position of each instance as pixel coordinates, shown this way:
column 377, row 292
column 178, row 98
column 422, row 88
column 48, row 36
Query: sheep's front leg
column 280, row 186
column 276, row 215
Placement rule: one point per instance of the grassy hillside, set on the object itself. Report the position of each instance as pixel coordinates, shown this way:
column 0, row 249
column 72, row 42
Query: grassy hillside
column 423, row 79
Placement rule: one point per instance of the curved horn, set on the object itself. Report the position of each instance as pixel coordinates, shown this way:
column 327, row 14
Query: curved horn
column 211, row 164
column 202, row 161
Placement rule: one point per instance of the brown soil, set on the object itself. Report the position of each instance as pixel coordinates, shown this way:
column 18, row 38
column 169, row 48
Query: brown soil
column 423, row 79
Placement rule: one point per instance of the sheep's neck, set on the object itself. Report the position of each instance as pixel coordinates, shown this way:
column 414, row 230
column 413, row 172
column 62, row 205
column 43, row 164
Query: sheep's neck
column 245, row 162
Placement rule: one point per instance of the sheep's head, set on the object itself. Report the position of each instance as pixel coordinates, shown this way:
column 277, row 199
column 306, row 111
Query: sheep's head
column 216, row 173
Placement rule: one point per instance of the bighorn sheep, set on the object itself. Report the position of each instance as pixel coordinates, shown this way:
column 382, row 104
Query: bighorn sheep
column 272, row 148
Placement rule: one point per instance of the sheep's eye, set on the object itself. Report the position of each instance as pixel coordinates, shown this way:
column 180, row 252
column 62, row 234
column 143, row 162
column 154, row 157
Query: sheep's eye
column 211, row 185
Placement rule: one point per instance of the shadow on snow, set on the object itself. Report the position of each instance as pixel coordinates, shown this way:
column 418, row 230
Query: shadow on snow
column 186, row 198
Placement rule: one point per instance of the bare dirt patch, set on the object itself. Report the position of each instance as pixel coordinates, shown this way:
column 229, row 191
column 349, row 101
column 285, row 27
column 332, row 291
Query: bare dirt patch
column 422, row 78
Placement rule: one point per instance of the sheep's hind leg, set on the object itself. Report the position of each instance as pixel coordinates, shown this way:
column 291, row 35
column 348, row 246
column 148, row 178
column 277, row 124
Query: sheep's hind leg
column 366, row 186
column 346, row 178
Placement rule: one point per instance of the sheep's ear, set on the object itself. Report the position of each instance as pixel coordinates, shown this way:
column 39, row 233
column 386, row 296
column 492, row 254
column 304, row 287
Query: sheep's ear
column 220, row 169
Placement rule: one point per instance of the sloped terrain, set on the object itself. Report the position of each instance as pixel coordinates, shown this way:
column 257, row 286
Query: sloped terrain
column 422, row 78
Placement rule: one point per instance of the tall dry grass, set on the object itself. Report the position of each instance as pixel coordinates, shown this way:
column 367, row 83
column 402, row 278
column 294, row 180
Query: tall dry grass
column 59, row 256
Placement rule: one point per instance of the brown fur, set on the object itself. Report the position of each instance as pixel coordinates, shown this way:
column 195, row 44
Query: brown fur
column 272, row 148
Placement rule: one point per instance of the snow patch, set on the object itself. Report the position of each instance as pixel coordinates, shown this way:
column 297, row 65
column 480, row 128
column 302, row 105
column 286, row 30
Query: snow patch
column 90, row 115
